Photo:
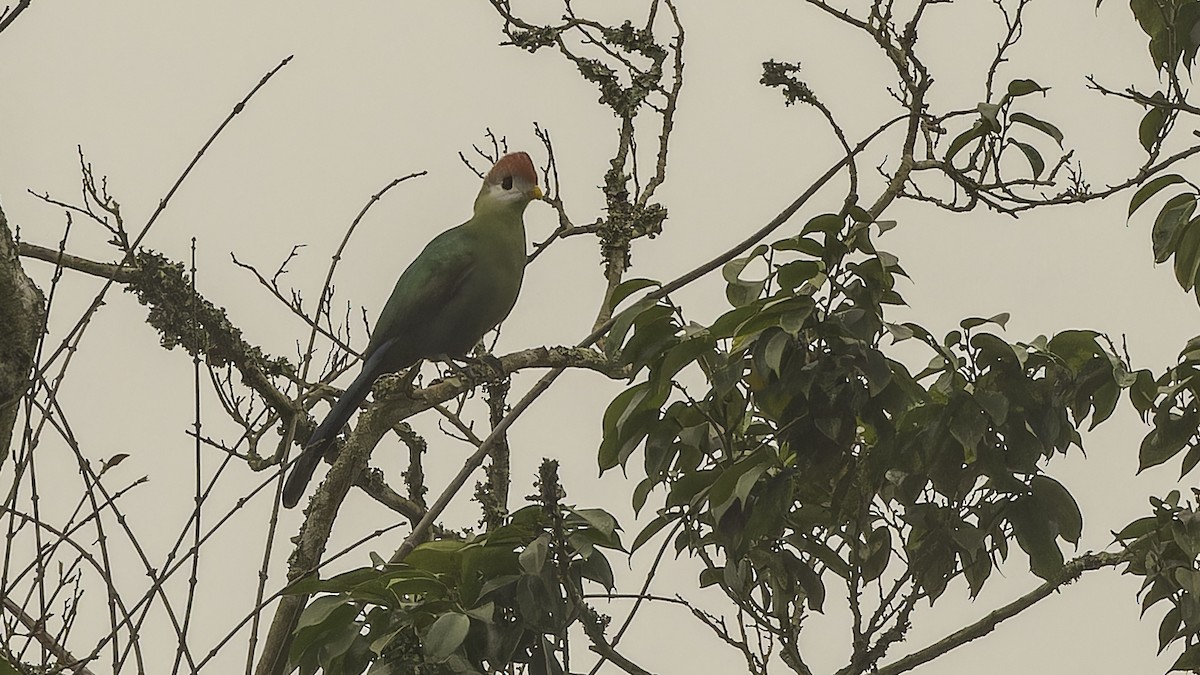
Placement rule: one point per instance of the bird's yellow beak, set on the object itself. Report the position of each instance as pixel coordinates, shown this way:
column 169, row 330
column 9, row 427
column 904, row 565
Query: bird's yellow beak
column 536, row 192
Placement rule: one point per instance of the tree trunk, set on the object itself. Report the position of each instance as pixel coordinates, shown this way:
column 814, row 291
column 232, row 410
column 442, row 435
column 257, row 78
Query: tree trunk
column 22, row 320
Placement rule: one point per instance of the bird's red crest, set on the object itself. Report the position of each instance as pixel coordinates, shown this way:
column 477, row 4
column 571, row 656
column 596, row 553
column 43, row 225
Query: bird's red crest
column 516, row 164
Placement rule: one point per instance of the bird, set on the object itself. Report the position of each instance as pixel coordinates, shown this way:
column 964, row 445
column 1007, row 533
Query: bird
column 462, row 285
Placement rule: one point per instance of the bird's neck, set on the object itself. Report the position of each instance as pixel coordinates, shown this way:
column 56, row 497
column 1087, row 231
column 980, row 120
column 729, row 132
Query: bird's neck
column 500, row 223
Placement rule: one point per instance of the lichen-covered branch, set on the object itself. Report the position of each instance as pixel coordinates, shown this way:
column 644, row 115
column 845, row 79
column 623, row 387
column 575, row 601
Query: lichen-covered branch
column 184, row 318
column 22, row 320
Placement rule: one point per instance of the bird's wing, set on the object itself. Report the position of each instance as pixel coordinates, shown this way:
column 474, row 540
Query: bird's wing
column 425, row 287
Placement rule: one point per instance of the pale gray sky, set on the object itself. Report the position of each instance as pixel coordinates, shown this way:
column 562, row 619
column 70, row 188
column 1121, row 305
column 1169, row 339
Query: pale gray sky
column 378, row 90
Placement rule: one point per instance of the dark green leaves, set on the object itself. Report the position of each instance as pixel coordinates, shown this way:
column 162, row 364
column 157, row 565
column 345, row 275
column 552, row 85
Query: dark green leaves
column 1172, row 433
column 1041, row 125
column 798, row 449
column 446, row 635
column 1164, row 548
column 738, row 291
column 1170, row 26
column 456, row 603
column 1152, row 188
column 994, row 130
column 626, row 423
column 1024, row 87
column 1176, row 231
column 1168, row 227
column 980, row 129
column 1036, row 163
column 1047, row 513
column 1150, row 130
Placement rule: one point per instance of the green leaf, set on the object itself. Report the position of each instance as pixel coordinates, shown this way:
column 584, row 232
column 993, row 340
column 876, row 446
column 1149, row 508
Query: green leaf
column 727, row 324
column 795, row 273
column 597, row 568
column 533, row 558
column 1169, row 436
column 821, row 551
column 858, row 213
column 979, row 130
column 320, row 609
column 1187, row 255
column 801, row 244
column 1035, row 538
column 445, row 635
column 1035, row 158
column 1000, row 319
column 1188, row 579
column 1168, row 226
column 629, row 287
column 993, row 403
column 654, row 331
column 1189, row 660
column 789, row 313
column 1058, row 506
column 732, row 270
column 1137, row 528
column 544, row 662
column 1151, row 126
column 1022, row 87
column 810, row 581
column 1168, row 629
column 599, row 519
column 1041, row 125
column 1143, row 392
column 990, row 113
column 652, row 528
column 7, row 668
column 1075, row 348
column 740, row 293
column 689, row 487
column 1152, row 188
column 1104, row 402
column 829, row 223
column 977, row 572
column 967, row 427
column 624, row 424
column 621, row 324
column 1149, row 16
column 878, row 553
column 737, row 481
column 440, row 557
column 337, row 584
column 772, row 354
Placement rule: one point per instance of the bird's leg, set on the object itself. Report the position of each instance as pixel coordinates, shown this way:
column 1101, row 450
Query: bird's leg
column 488, row 361
column 410, row 376
column 492, row 363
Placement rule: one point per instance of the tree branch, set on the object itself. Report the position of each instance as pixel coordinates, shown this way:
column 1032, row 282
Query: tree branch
column 1071, row 571
column 22, row 321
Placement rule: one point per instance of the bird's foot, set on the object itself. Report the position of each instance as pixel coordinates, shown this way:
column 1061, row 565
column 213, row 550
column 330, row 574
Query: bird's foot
column 485, row 361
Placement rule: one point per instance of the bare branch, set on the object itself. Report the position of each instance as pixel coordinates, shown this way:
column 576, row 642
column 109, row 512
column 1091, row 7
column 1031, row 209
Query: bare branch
column 1071, row 571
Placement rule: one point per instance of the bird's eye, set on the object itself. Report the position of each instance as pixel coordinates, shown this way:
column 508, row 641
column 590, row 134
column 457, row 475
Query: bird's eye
column 506, row 183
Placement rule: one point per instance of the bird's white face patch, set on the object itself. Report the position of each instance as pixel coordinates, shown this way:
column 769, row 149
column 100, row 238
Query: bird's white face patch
column 516, row 191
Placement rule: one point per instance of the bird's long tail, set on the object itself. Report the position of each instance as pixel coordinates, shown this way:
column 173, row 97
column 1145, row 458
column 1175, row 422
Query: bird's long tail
column 321, row 439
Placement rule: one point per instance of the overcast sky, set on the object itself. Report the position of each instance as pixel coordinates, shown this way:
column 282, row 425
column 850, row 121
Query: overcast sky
column 378, row 90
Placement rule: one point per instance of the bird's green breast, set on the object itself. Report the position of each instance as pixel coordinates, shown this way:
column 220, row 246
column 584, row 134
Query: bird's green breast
column 462, row 285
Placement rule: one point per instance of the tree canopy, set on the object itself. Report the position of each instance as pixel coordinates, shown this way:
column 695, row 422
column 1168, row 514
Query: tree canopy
column 796, row 444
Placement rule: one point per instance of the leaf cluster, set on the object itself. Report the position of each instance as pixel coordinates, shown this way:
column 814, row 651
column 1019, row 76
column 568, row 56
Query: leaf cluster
column 807, row 455
column 1164, row 548
column 460, row 606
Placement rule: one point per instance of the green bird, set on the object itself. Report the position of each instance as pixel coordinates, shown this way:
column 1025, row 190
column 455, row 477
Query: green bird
column 462, row 285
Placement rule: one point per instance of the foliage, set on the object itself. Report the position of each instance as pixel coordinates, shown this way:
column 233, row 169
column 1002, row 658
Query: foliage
column 804, row 446
column 504, row 597
column 808, row 456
